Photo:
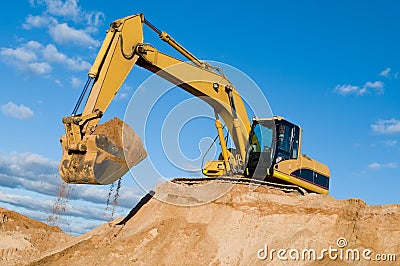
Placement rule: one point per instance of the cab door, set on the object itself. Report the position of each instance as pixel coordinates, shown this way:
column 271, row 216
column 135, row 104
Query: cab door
column 260, row 149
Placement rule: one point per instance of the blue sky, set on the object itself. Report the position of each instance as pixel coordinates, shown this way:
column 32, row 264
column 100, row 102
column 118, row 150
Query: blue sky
column 333, row 67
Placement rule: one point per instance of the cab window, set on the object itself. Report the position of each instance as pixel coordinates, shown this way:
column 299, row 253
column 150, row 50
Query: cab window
column 262, row 138
column 288, row 141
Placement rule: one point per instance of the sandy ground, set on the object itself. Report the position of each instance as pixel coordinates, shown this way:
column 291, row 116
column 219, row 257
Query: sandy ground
column 240, row 228
column 23, row 239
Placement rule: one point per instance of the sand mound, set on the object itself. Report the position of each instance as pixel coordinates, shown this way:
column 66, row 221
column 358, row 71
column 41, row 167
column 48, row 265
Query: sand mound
column 23, row 240
column 232, row 230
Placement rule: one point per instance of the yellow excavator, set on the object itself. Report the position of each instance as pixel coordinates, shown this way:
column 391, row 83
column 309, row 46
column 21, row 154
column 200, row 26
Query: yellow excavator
column 265, row 148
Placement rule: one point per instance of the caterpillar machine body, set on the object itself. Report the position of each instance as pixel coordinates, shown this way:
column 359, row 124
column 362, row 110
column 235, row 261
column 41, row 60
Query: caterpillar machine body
column 265, row 148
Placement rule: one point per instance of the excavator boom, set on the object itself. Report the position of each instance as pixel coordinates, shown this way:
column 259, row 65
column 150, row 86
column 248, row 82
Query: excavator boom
column 97, row 159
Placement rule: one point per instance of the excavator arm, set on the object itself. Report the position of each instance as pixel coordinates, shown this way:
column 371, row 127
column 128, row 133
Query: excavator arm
column 84, row 151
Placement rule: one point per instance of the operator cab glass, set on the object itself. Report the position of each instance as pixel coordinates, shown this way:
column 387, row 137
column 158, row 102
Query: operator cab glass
column 260, row 149
column 287, row 142
column 262, row 138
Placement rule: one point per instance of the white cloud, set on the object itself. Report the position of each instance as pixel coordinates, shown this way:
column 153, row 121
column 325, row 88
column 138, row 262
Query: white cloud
column 378, row 86
column 385, row 73
column 21, row 111
column 347, row 89
column 124, row 92
column 76, row 82
column 38, row 21
column 39, row 68
column 388, row 73
column 30, row 183
column 19, row 200
column 94, row 20
column 78, row 64
column 390, row 143
column 72, row 219
column 98, row 195
column 62, row 33
column 26, row 58
column 35, row 58
column 377, row 166
column 389, row 126
column 19, row 54
column 33, row 45
column 126, row 87
column 87, row 212
column 68, row 8
column 27, row 164
column 37, row 173
column 121, row 96
column 58, row 83
column 51, row 54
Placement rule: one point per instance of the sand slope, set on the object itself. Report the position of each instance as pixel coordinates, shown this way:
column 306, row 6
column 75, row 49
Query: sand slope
column 23, row 240
column 232, row 229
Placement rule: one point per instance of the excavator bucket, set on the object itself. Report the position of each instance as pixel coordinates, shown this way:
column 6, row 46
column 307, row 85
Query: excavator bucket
column 106, row 158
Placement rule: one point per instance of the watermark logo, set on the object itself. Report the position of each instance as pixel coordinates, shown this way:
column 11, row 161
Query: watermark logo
column 341, row 242
column 338, row 252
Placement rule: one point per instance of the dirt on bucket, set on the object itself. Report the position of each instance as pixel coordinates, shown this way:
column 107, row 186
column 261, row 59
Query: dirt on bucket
column 122, row 135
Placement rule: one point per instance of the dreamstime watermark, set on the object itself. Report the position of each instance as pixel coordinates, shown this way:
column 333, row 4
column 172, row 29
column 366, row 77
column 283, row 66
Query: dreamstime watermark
column 338, row 252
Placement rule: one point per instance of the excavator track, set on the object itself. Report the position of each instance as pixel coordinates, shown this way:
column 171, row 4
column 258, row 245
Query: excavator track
column 238, row 180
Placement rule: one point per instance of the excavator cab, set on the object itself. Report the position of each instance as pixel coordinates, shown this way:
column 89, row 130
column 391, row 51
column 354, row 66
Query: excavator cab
column 271, row 141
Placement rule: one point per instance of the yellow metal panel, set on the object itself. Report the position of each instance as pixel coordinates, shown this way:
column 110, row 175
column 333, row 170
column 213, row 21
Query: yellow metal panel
column 114, row 66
